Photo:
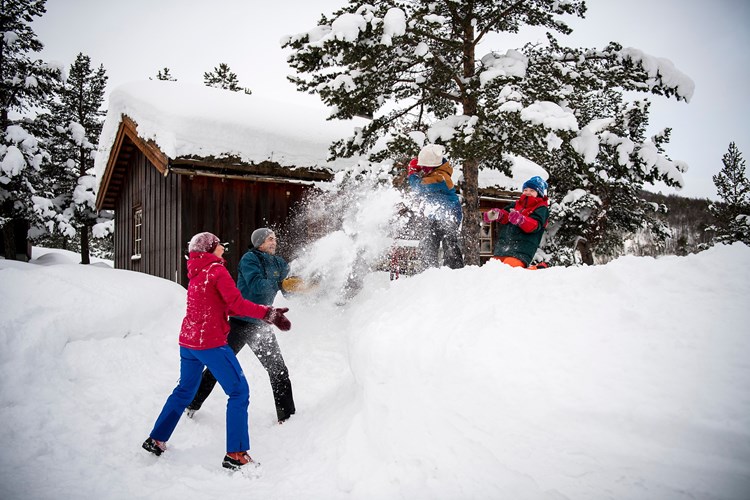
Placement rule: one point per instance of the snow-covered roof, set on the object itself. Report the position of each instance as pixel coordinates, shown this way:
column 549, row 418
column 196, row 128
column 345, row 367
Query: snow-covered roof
column 194, row 121
column 186, row 120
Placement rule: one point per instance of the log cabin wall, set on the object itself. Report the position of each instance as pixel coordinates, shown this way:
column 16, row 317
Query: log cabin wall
column 233, row 208
column 158, row 198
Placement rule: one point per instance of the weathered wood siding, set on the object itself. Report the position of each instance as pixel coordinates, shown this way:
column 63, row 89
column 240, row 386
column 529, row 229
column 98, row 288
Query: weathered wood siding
column 232, row 209
column 159, row 198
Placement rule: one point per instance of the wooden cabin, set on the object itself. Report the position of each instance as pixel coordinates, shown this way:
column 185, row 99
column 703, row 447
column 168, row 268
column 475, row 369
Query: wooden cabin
column 176, row 159
column 204, row 159
column 161, row 202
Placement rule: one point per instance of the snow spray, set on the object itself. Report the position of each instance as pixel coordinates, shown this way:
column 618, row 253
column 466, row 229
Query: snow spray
column 344, row 230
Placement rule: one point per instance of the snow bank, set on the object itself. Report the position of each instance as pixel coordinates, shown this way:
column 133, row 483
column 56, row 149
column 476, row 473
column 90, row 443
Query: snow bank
column 628, row 380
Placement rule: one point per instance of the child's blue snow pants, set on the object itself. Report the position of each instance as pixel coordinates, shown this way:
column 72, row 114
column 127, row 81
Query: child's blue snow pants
column 224, row 365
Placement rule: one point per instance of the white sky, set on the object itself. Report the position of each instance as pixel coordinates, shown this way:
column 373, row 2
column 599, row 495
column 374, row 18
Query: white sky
column 134, row 39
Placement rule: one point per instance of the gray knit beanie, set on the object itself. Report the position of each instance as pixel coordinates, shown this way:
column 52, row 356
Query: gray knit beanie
column 259, row 236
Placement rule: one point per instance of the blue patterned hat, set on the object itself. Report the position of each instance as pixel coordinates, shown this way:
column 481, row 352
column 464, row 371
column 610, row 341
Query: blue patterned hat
column 537, row 184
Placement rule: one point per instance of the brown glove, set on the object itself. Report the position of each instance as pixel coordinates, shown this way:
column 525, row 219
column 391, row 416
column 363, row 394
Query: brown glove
column 295, row 284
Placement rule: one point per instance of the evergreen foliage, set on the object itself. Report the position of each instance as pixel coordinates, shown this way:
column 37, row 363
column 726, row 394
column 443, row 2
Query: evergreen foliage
column 222, row 77
column 76, row 118
column 733, row 211
column 688, row 220
column 25, row 84
column 165, row 75
column 599, row 177
column 413, row 67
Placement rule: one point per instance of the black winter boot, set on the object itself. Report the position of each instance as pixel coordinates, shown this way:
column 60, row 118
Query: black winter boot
column 153, row 446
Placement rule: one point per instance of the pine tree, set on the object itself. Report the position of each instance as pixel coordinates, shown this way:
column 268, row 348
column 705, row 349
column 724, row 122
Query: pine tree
column 165, row 75
column 733, row 211
column 222, row 77
column 24, row 85
column 600, row 175
column 414, row 67
column 76, row 119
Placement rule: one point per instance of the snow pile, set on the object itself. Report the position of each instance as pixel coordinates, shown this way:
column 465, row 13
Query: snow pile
column 627, row 380
column 550, row 115
column 661, row 71
column 193, row 120
column 511, row 64
column 348, row 26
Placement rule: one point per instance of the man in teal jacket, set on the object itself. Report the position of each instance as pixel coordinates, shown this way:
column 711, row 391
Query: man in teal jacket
column 260, row 276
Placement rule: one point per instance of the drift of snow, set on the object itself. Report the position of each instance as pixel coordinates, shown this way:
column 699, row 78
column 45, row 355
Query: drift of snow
column 627, row 380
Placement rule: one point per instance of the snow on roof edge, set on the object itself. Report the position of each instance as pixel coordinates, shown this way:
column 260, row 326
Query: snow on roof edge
column 191, row 120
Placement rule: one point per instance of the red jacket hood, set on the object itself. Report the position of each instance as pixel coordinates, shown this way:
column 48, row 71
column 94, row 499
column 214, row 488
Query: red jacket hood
column 200, row 260
column 527, row 204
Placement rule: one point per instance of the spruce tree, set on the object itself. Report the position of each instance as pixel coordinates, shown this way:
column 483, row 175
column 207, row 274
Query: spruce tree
column 415, row 68
column 222, row 77
column 733, row 211
column 25, row 84
column 76, row 118
column 165, row 75
column 599, row 177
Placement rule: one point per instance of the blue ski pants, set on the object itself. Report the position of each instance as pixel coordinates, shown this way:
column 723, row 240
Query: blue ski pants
column 224, row 365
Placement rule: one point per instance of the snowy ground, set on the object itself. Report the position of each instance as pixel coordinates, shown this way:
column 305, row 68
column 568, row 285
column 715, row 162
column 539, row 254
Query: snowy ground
column 625, row 381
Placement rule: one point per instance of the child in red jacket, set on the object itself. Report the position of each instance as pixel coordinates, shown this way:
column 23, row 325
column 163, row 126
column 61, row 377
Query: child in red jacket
column 522, row 224
column 211, row 297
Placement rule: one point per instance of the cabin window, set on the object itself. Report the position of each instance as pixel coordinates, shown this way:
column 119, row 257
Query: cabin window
column 485, row 239
column 137, row 232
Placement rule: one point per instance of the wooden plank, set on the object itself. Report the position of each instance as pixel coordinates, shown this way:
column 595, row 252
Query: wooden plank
column 108, row 170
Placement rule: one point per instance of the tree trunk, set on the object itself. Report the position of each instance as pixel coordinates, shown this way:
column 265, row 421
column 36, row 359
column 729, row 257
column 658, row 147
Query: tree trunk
column 16, row 245
column 85, row 258
column 9, row 240
column 471, row 212
column 471, row 222
column 85, row 228
column 587, row 256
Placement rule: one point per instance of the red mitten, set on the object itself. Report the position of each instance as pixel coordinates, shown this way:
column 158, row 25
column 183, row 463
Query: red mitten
column 516, row 218
column 275, row 316
column 526, row 224
column 413, row 168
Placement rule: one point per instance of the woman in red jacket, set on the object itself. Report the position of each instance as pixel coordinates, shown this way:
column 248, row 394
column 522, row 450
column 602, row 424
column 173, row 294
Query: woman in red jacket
column 212, row 296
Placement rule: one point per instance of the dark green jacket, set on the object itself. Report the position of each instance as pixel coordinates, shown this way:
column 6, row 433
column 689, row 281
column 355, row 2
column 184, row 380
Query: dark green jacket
column 512, row 241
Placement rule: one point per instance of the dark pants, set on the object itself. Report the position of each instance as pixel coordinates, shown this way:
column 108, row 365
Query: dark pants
column 443, row 231
column 262, row 340
column 224, row 363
